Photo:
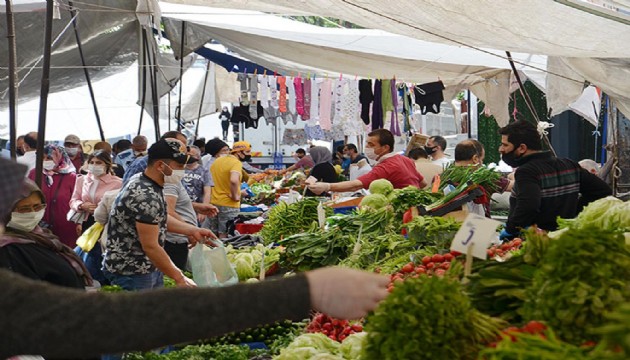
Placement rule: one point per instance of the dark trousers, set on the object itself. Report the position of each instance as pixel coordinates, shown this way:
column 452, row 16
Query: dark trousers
column 178, row 253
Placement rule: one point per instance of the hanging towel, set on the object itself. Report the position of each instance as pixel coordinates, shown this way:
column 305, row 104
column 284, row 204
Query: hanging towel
column 282, row 100
column 377, row 106
column 264, row 91
column 307, row 99
column 244, row 88
column 366, row 96
column 253, row 95
column 273, row 90
column 299, row 96
column 325, row 98
column 429, row 96
column 314, row 110
column 394, row 127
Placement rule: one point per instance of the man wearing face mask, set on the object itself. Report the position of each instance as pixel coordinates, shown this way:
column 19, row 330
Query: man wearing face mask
column 140, row 163
column 435, row 148
column 303, row 161
column 138, row 149
column 545, row 186
column 227, row 175
column 73, row 147
column 135, row 258
column 399, row 170
column 29, row 148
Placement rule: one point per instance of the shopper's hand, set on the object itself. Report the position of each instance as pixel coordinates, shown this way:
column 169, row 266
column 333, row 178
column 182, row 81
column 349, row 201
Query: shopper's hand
column 201, row 218
column 200, row 235
column 185, row 282
column 346, row 293
column 87, row 207
column 79, row 229
column 207, row 209
column 319, row 187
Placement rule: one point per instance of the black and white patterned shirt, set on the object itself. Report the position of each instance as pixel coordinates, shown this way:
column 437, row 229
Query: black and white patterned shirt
column 141, row 200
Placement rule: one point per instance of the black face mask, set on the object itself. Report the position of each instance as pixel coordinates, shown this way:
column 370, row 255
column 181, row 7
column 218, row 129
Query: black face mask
column 247, row 158
column 19, row 152
column 429, row 150
column 511, row 159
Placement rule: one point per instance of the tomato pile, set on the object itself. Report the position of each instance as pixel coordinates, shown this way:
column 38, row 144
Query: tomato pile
column 335, row 329
column 503, row 249
column 431, row 265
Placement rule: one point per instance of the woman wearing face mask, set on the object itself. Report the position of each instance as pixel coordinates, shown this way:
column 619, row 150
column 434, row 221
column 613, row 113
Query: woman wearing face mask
column 88, row 193
column 323, row 169
column 58, row 185
column 34, row 252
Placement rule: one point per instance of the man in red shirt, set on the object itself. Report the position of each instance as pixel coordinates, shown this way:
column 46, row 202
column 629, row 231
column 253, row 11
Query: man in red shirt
column 399, row 170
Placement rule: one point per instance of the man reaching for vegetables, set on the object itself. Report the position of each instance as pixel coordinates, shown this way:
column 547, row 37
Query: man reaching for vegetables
column 545, row 186
column 399, row 170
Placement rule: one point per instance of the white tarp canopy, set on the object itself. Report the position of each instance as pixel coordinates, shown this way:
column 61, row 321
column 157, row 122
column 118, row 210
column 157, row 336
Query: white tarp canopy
column 584, row 42
column 288, row 46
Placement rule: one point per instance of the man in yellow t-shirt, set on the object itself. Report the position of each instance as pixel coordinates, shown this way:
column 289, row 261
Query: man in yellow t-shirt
column 227, row 172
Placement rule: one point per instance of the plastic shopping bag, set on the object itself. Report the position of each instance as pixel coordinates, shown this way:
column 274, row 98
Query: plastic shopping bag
column 88, row 239
column 211, row 267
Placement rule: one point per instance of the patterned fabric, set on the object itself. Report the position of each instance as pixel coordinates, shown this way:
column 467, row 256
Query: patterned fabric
column 294, row 137
column 299, row 95
column 63, row 164
column 351, row 110
column 264, row 91
column 291, row 96
column 335, row 133
column 282, row 100
column 314, row 111
column 253, row 96
column 244, row 88
column 141, row 200
column 194, row 182
column 307, row 99
column 136, row 167
column 273, row 90
column 337, row 100
column 314, row 132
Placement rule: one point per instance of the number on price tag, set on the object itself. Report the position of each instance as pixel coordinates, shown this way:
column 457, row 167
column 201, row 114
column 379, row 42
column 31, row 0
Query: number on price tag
column 477, row 230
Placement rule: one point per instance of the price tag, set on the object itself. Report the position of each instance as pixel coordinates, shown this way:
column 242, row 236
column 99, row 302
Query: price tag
column 321, row 215
column 477, row 230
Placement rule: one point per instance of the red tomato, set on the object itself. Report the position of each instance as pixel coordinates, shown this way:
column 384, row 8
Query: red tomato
column 426, row 260
column 437, row 258
column 407, row 216
column 407, row 268
column 357, row 327
column 490, row 253
column 505, row 247
column 448, row 257
column 420, row 270
column 445, row 265
column 430, row 265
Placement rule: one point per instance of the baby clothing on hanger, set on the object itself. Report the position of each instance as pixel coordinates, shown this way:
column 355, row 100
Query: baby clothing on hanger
column 244, row 88
column 299, row 96
column 253, row 95
column 273, row 91
column 314, row 110
column 352, row 124
column 264, row 91
column 282, row 100
column 325, row 102
column 307, row 99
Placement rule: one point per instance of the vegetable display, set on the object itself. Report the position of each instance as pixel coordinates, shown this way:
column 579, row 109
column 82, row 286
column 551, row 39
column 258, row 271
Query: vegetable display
column 432, row 231
column 319, row 346
column 313, row 249
column 429, row 318
column 247, row 260
column 608, row 213
column 403, row 199
column 484, row 176
column 290, row 219
column 381, row 186
column 266, row 334
column 335, row 329
column 583, row 275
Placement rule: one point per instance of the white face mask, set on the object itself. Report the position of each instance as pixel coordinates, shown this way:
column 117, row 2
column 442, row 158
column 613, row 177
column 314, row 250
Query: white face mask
column 26, row 221
column 175, row 177
column 370, row 154
column 139, row 153
column 96, row 170
column 48, row 165
column 72, row 151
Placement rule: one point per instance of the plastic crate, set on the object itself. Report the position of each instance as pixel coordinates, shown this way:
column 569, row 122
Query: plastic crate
column 344, row 209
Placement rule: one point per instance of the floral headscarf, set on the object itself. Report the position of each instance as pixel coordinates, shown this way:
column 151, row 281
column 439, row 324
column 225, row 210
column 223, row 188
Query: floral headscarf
column 62, row 161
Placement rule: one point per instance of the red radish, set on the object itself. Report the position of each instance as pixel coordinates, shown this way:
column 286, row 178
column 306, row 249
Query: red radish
column 448, row 257
column 437, row 258
column 426, row 260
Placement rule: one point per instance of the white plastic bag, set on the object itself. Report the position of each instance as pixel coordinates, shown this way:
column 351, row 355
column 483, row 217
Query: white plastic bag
column 211, row 267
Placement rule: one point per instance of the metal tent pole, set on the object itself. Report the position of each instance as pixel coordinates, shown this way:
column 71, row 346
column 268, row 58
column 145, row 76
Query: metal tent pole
column 143, row 79
column 152, row 64
column 203, row 94
column 85, row 70
column 43, row 97
column 12, row 78
column 181, row 75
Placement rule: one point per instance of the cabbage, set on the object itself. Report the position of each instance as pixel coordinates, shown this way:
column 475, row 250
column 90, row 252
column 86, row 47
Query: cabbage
column 381, row 186
column 608, row 213
column 244, row 264
column 311, row 346
column 375, row 201
column 351, row 347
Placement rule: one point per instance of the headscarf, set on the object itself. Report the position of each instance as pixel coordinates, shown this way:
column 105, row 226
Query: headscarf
column 43, row 237
column 63, row 163
column 320, row 154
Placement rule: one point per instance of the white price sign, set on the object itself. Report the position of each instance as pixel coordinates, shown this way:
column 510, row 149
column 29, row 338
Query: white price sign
column 477, row 230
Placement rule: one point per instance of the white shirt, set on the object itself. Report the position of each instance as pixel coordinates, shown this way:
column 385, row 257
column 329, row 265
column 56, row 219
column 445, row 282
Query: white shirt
column 443, row 162
column 29, row 159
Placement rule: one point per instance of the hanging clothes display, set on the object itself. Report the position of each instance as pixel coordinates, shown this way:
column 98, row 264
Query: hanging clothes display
column 291, row 114
column 241, row 114
column 273, row 91
column 325, row 102
column 314, row 132
column 314, row 108
column 307, row 99
column 264, row 91
column 294, row 137
column 244, row 88
column 377, row 106
column 253, row 95
column 335, row 133
column 299, row 96
column 407, row 109
column 352, row 124
column 366, row 96
column 282, row 99
column 394, row 127
column 429, row 96
column 337, row 99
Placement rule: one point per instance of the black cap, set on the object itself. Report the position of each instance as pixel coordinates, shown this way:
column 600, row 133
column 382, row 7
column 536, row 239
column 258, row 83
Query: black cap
column 170, row 149
column 213, row 146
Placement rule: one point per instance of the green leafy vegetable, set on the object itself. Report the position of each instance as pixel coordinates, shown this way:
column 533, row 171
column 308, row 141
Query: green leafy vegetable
column 381, row 186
